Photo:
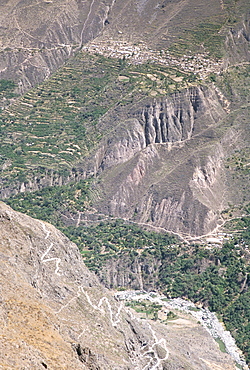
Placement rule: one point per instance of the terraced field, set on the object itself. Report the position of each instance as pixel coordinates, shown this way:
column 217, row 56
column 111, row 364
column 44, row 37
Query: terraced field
column 55, row 125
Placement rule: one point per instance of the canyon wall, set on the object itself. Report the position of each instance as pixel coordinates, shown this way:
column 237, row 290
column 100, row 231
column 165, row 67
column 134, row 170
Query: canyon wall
column 164, row 166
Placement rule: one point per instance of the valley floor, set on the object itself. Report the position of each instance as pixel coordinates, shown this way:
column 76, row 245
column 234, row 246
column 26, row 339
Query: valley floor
column 208, row 319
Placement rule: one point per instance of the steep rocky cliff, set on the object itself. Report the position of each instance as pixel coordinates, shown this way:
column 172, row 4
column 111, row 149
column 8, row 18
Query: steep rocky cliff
column 55, row 314
column 172, row 119
column 237, row 42
column 165, row 165
column 162, row 161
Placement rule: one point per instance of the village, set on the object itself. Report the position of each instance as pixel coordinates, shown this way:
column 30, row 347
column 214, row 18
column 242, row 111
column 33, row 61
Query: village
column 200, row 64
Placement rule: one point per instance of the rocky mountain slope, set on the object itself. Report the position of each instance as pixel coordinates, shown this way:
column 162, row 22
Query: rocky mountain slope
column 55, row 314
column 156, row 132
column 157, row 168
column 37, row 37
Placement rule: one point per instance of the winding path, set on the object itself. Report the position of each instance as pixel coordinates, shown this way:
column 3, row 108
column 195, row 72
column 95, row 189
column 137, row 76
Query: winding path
column 159, row 360
column 45, row 260
column 100, row 308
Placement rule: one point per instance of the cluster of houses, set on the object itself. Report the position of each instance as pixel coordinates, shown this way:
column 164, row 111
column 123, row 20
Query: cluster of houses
column 200, row 64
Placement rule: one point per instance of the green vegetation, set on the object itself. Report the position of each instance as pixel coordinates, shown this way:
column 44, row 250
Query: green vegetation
column 151, row 310
column 54, row 203
column 234, row 83
column 205, row 35
column 218, row 278
column 171, row 315
column 7, row 88
column 239, row 162
column 239, row 367
column 209, row 36
column 97, row 243
column 221, row 345
column 115, row 239
column 54, row 126
column 7, row 85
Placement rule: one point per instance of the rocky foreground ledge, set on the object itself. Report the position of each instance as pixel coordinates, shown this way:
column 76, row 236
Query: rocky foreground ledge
column 54, row 314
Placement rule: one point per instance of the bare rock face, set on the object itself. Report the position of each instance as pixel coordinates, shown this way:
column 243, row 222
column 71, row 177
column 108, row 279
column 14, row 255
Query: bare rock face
column 164, row 166
column 176, row 118
column 37, row 37
column 171, row 119
column 54, row 314
column 238, row 41
column 162, row 162
column 157, row 23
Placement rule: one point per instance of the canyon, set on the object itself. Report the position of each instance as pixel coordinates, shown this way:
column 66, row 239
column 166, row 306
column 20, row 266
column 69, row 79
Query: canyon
column 118, row 111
